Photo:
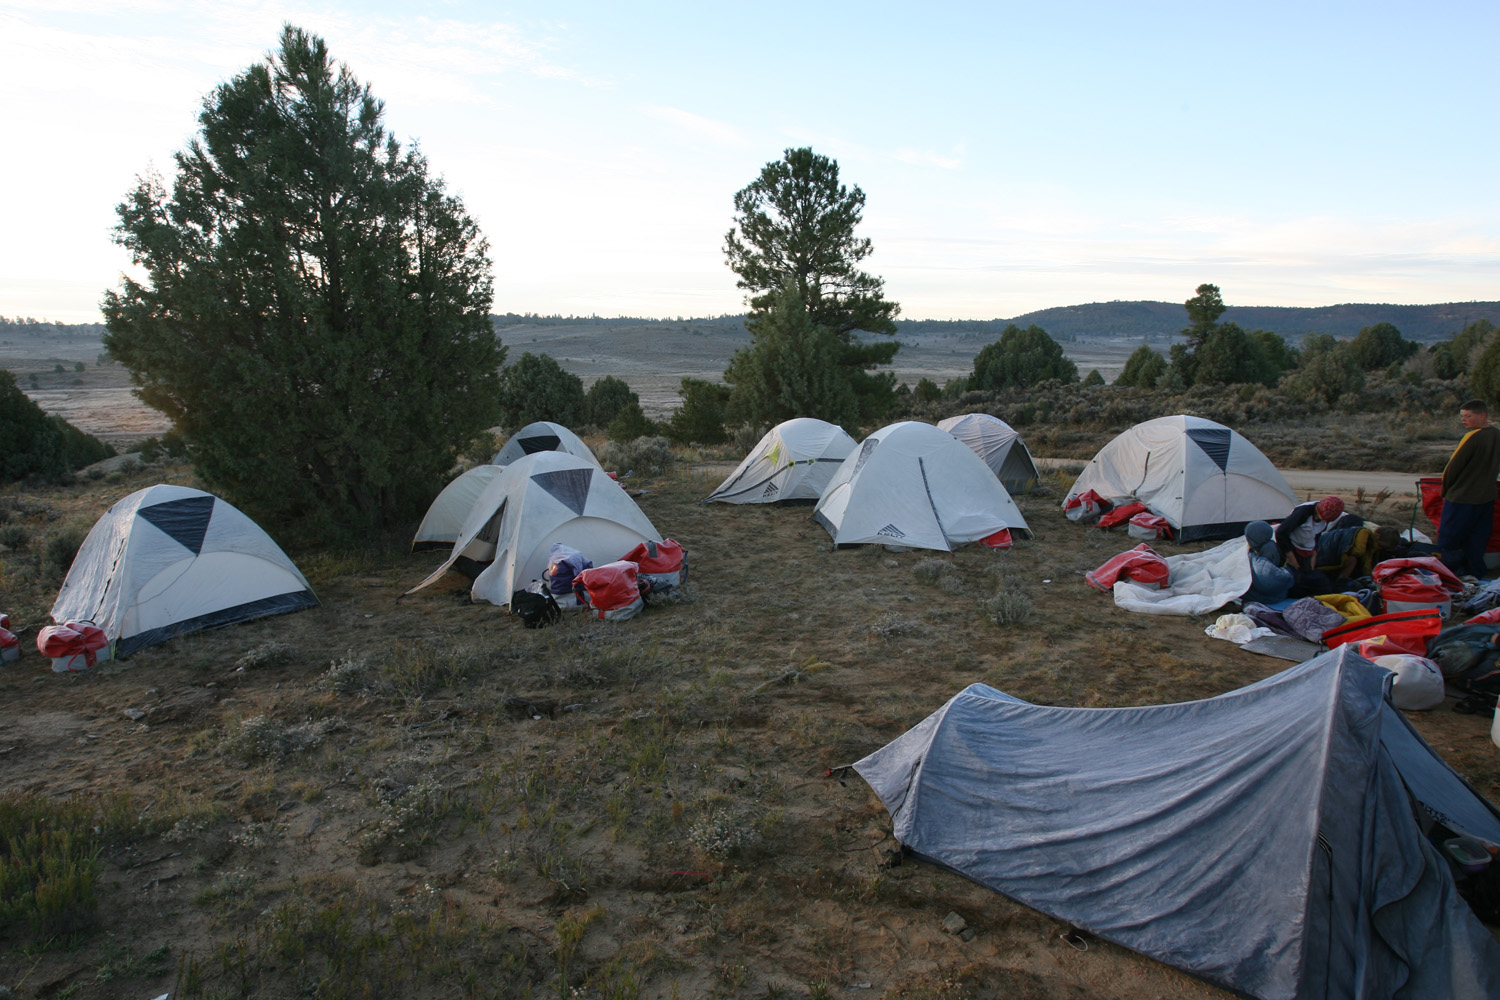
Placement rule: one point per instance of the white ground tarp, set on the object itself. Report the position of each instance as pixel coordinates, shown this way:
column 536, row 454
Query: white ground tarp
column 1199, row 582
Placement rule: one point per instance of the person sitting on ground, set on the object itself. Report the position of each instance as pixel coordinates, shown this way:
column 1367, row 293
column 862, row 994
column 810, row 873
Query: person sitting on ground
column 1346, row 553
column 1297, row 535
column 1269, row 582
column 1390, row 544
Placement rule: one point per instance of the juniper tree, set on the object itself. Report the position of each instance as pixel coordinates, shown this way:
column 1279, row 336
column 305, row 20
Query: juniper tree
column 314, row 311
column 536, row 388
column 1021, row 358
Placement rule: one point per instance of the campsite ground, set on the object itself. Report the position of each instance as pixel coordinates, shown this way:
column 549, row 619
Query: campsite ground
column 419, row 798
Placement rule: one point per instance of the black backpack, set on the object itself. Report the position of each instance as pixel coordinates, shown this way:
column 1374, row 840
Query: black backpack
column 535, row 610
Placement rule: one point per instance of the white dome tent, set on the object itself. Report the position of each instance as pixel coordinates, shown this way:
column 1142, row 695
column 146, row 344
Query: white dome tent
column 793, row 461
column 540, row 499
column 1000, row 445
column 543, row 435
column 445, row 517
column 912, row 485
column 1208, row 481
column 168, row 560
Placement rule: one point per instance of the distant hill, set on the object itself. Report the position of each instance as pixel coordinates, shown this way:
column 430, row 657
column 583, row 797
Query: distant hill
column 1157, row 320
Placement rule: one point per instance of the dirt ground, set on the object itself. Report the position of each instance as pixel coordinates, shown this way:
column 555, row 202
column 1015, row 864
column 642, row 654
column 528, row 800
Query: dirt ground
column 417, row 797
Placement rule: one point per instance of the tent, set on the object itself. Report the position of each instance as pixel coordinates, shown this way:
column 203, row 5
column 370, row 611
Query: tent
column 912, row 485
column 1272, row 840
column 543, row 435
column 793, row 461
column 537, row 500
column 999, row 444
column 1205, row 479
column 445, row 518
column 168, row 560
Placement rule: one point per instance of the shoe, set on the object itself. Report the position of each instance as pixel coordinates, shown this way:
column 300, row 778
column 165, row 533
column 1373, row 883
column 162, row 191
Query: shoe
column 1476, row 704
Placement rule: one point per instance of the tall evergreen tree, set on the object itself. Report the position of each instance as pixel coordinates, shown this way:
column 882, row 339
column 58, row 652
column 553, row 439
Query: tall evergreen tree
column 314, row 316
column 794, row 226
column 1204, row 310
column 791, row 369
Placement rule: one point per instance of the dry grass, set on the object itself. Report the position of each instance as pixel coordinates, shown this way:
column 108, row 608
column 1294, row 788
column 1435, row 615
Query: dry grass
column 424, row 799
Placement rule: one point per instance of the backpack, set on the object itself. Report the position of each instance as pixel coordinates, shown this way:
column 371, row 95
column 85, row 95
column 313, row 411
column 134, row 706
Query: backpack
column 535, row 610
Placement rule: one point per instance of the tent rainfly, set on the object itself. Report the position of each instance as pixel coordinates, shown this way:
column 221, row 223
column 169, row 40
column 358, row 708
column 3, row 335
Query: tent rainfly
column 168, row 560
column 1000, row 445
column 539, row 499
column 793, row 461
column 1207, row 480
column 910, row 484
column 543, row 435
column 445, row 518
column 1274, row 840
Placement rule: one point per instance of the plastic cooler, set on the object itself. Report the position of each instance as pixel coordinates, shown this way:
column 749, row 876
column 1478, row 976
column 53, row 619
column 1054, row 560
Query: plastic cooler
column 1407, row 593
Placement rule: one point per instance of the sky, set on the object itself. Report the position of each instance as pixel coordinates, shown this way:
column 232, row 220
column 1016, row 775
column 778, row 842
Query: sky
column 1014, row 156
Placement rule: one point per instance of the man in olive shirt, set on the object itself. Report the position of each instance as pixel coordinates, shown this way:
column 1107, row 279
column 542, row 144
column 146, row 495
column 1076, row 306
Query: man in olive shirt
column 1469, row 492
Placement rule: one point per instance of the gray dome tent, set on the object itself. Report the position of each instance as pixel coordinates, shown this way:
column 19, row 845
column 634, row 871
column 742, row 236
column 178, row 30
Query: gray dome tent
column 544, row 435
column 1001, row 447
column 1272, row 840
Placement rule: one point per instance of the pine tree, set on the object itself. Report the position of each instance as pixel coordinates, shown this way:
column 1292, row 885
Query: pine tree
column 795, row 228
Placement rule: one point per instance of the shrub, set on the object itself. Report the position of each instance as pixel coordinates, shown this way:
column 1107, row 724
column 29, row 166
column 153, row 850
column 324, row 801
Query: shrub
column 1009, row 607
column 649, row 455
column 61, row 549
column 700, row 418
column 606, row 398
column 49, row 865
column 724, row 833
column 15, row 537
column 38, row 445
column 537, row 388
column 631, row 423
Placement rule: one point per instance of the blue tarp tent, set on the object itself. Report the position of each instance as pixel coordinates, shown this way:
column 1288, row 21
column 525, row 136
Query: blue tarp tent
column 1270, row 840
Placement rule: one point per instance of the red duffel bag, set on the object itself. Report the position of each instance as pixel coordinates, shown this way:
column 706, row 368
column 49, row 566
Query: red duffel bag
column 1085, row 506
column 1404, row 631
column 1140, row 564
column 612, row 592
column 1121, row 514
column 662, row 565
column 73, row 646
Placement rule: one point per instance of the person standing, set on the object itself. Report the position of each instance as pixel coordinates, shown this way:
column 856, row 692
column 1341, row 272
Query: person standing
column 1469, row 492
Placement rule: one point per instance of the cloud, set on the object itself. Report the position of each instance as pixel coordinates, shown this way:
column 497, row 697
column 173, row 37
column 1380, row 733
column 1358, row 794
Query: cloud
column 716, row 132
column 926, row 158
